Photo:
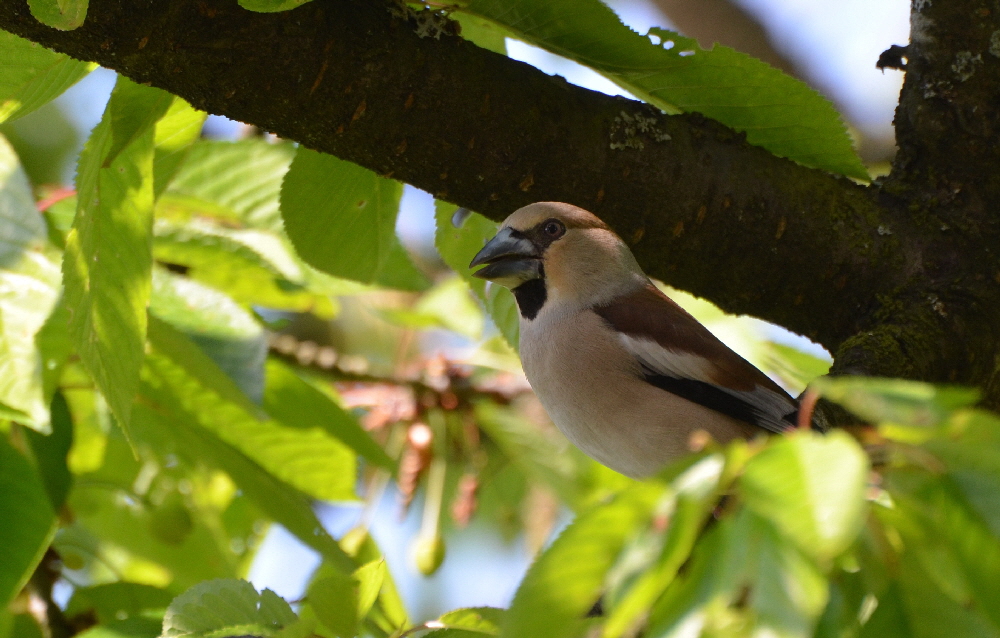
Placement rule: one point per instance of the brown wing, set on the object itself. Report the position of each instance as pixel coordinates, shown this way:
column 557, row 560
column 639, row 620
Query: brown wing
column 679, row 355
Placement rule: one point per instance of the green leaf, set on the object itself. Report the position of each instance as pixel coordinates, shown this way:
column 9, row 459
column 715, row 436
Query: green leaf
column 169, row 425
column 334, row 600
column 399, row 272
column 113, row 601
column 227, row 333
column 457, row 245
column 469, row 622
column 340, row 217
column 27, row 521
column 952, row 544
column 787, row 590
column 794, row 367
column 31, row 75
column 369, row 578
column 175, row 133
column 778, row 112
column 209, row 608
column 975, row 470
column 271, row 6
column 129, row 628
column 64, row 15
column 298, row 404
column 108, row 260
column 566, row 580
column 895, row 400
column 697, row 494
column 29, row 289
column 931, row 612
column 254, row 267
column 812, row 487
column 242, row 177
column 305, row 457
column 51, row 451
column 547, row 458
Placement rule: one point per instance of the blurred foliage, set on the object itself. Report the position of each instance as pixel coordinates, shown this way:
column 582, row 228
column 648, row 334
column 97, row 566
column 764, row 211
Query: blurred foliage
column 236, row 334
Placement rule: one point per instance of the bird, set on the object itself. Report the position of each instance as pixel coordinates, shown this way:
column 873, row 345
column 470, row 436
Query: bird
column 623, row 371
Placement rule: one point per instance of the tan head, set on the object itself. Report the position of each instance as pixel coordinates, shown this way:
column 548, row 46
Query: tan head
column 555, row 251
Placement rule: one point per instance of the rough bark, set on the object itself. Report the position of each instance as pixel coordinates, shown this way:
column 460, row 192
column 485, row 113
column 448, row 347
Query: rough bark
column 897, row 279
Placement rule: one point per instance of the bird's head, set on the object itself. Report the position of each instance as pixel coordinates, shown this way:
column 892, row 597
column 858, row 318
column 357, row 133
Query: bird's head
column 558, row 251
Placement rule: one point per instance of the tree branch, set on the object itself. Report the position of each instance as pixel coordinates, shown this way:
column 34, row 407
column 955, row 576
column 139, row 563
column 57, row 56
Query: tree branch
column 704, row 211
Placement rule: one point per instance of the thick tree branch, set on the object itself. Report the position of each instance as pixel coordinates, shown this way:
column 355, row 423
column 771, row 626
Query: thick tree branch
column 890, row 291
column 704, row 211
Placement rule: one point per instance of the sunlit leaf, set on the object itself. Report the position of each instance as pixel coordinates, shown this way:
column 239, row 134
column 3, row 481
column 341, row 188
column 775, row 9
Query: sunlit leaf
column 243, row 177
column 469, row 622
column 812, row 488
column 305, row 457
column 108, row 259
column 778, row 112
column 566, row 580
column 696, row 496
column 209, row 608
column 175, row 132
column 169, row 425
column 64, row 15
column 27, row 521
column 224, row 331
column 895, row 400
column 341, row 217
column 270, row 6
column 29, row 289
column 298, row 404
column 31, row 75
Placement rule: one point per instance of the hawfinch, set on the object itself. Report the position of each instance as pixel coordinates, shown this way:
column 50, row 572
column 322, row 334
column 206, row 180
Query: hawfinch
column 623, row 371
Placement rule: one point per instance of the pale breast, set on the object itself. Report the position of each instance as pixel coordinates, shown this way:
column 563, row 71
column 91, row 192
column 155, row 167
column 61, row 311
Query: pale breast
column 593, row 391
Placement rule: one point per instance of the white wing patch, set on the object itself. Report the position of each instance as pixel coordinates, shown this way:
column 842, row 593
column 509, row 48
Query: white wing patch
column 680, row 365
column 769, row 407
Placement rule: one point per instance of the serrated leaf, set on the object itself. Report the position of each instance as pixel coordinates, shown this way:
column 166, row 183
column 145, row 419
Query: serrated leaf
column 27, row 521
column 457, row 245
column 777, row 112
column 566, row 580
column 296, row 403
column 222, row 604
column 340, row 217
column 696, row 496
column 175, row 132
column 108, row 260
column 31, row 75
column 29, row 290
column 812, row 487
column 306, row 458
column 271, row 6
column 170, row 426
column 227, row 333
column 64, row 15
column 895, row 400
column 255, row 267
column 469, row 622
column 243, row 177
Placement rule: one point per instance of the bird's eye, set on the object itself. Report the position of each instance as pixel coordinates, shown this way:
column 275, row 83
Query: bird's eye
column 553, row 229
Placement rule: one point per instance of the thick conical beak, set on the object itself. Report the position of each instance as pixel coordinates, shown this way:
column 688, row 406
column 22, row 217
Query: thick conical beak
column 510, row 260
